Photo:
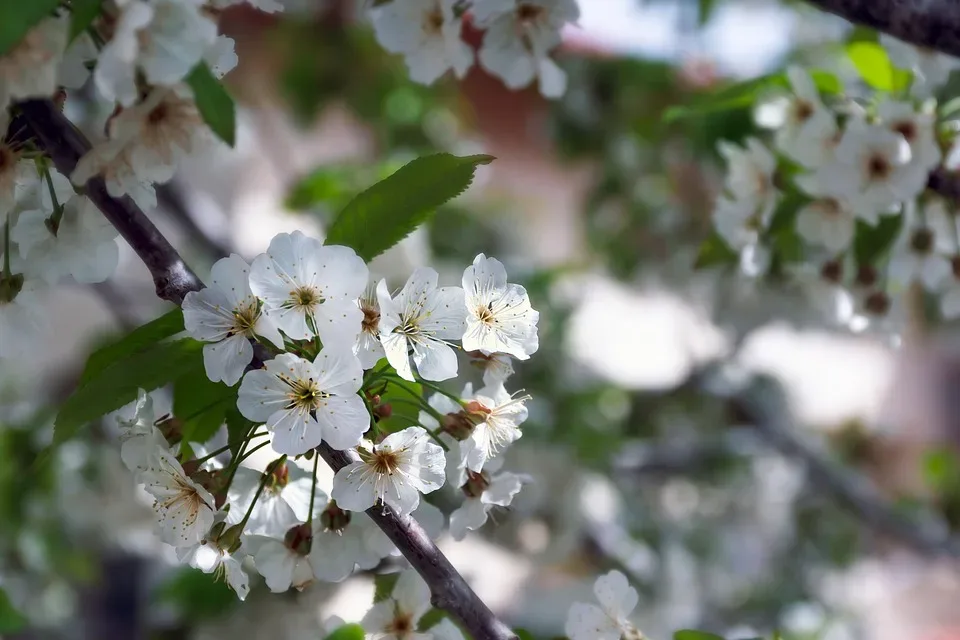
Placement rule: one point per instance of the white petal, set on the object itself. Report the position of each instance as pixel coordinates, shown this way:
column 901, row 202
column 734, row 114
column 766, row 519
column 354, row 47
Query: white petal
column 353, row 487
column 435, row 360
column 589, row 622
column 343, row 421
column 615, row 594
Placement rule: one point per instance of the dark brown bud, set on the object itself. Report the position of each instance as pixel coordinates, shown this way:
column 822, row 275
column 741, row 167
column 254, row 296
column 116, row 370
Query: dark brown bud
column 334, row 518
column 299, row 539
column 475, row 485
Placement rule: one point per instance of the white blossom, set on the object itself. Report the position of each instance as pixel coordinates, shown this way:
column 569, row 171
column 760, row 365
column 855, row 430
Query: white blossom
column 427, row 33
column 164, row 38
column 422, row 317
column 73, row 71
column 518, row 39
column 305, row 403
column 499, row 316
column 496, row 367
column 111, row 160
column 918, row 128
column 810, row 130
column 29, row 69
column 139, row 438
column 872, row 168
column 283, row 503
column 283, row 563
column 915, row 256
column 501, row 414
column 227, row 316
column 368, row 347
column 749, row 182
column 267, row 6
column 210, row 556
column 609, row 621
column 83, row 244
column 185, row 510
column 22, row 319
column 483, row 492
column 221, row 56
column 306, row 285
column 445, row 630
column 395, row 471
column 931, row 68
column 15, row 174
column 396, row 617
column 738, row 222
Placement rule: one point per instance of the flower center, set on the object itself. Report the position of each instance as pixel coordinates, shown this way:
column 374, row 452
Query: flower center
column 158, row 114
column 304, row 395
column 475, row 485
column 832, row 271
column 922, row 241
column 802, row 110
column 433, row 21
column 401, row 625
column 528, row 13
column 866, row 276
column 371, row 320
column 385, row 462
column 878, row 167
column 305, row 298
column 907, row 129
column 485, row 315
column 245, row 319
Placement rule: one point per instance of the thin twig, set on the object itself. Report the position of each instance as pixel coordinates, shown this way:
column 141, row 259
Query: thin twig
column 761, row 403
column 65, row 144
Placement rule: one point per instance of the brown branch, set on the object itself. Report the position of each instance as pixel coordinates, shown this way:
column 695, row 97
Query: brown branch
column 932, row 24
column 65, row 144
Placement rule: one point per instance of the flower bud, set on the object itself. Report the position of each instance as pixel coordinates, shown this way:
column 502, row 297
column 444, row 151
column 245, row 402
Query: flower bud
column 459, row 425
column 475, row 485
column 299, row 539
column 334, row 518
column 229, row 540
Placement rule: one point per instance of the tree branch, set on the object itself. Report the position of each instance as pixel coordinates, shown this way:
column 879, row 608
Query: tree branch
column 931, row 24
column 65, row 144
column 761, row 403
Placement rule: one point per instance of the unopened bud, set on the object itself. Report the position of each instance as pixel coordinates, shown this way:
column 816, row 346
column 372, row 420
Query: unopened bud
column 877, row 303
column 475, row 485
column 279, row 476
column 171, row 428
column 459, row 425
column 299, row 539
column 229, row 540
column 383, row 411
column 334, row 518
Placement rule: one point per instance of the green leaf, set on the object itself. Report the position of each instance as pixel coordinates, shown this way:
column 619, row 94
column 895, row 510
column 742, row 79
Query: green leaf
column 237, row 428
column 387, row 212
column 82, row 15
column 117, row 384
column 705, row 11
column 523, row 634
column 325, row 185
column 714, row 251
column 17, row 17
column 871, row 243
column 431, row 618
column 202, row 405
column 874, row 66
column 351, row 631
column 743, row 95
column 692, row 634
column 11, row 620
column 214, row 103
column 167, row 325
column 383, row 584
column 941, row 470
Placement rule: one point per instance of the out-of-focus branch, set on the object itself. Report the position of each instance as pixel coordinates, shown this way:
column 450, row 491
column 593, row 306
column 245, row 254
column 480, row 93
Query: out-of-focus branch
column 931, row 24
column 65, row 145
column 170, row 197
column 61, row 140
column 760, row 403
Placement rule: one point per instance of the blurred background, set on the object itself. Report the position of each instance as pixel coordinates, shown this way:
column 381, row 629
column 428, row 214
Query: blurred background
column 823, row 510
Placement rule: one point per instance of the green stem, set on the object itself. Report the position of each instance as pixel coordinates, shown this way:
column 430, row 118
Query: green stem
column 263, row 482
column 376, row 375
column 228, row 446
column 253, row 451
column 53, row 222
column 313, row 492
column 429, row 385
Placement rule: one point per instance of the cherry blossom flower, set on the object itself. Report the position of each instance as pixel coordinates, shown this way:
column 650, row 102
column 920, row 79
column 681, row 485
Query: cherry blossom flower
column 609, row 620
column 749, row 180
column 496, row 367
column 396, row 617
column 915, row 256
column 283, row 503
column 395, row 471
column 139, row 438
column 483, row 492
column 308, row 288
column 810, row 131
column 499, row 316
column 82, row 244
column 422, row 317
column 427, row 33
column 227, row 316
column 305, row 403
column 285, row 563
column 112, row 161
column 500, row 414
column 518, row 39
column 185, row 510
column 213, row 554
column 163, row 38
column 29, row 69
column 368, row 347
column 918, row 128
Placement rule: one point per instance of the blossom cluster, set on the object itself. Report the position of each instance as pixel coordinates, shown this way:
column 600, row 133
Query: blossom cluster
column 518, row 38
column 313, row 346
column 845, row 187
